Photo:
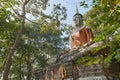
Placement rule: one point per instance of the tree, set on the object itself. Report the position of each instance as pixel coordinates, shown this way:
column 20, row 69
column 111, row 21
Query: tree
column 12, row 50
column 22, row 17
column 42, row 36
column 6, row 33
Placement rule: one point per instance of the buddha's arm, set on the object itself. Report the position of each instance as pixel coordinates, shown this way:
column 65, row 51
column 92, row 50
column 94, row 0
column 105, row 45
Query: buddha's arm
column 90, row 34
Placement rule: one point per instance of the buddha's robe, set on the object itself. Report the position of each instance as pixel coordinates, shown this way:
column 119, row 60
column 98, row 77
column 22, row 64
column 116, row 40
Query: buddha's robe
column 81, row 37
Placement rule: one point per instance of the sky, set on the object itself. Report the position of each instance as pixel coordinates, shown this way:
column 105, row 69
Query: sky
column 71, row 8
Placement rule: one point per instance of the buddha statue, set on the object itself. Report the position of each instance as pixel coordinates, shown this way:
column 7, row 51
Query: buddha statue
column 81, row 35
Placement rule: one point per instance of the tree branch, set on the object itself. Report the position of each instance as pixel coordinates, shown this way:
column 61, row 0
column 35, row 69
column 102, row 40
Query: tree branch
column 20, row 16
column 16, row 12
column 35, row 22
column 26, row 2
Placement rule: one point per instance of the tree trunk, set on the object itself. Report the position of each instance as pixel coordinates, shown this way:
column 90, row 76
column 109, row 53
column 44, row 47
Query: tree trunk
column 28, row 68
column 12, row 50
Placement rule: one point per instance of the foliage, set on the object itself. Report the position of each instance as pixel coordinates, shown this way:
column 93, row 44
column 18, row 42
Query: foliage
column 104, row 20
column 111, row 3
column 87, row 60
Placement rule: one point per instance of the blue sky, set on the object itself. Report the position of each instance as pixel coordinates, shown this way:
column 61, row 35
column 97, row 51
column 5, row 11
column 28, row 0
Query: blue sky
column 71, row 8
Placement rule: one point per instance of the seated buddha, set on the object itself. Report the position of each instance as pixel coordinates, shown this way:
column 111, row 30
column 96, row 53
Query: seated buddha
column 81, row 34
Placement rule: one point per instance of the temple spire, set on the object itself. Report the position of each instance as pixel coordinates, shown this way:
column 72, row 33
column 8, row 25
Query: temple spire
column 77, row 9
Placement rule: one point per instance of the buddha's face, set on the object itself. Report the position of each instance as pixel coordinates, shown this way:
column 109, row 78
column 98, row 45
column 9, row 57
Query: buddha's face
column 78, row 21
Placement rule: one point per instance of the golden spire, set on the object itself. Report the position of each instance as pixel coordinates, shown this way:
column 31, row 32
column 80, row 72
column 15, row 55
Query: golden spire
column 77, row 9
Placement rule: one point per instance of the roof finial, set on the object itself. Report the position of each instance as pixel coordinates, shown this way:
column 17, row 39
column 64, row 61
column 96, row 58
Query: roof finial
column 77, row 9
